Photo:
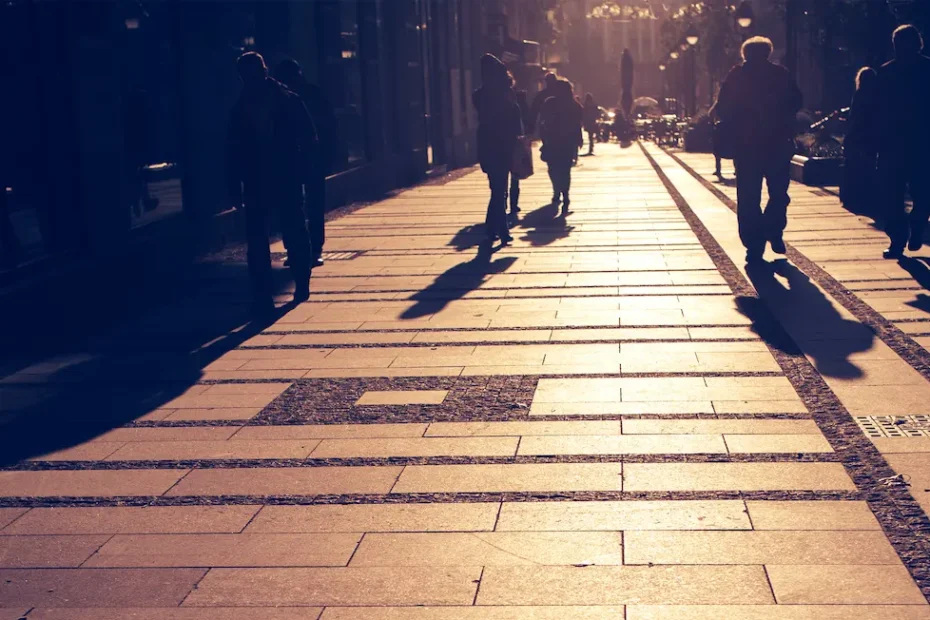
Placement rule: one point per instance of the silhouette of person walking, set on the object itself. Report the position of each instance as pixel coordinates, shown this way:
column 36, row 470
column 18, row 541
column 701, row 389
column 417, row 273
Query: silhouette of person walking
column 904, row 130
column 499, row 126
column 591, row 114
column 270, row 157
column 560, row 128
column 758, row 102
column 860, row 146
column 548, row 90
column 330, row 155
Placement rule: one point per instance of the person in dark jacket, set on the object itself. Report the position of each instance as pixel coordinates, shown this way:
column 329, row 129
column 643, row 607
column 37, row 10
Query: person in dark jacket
column 904, row 130
column 591, row 114
column 860, row 147
column 331, row 155
column 758, row 101
column 270, row 157
column 560, row 128
column 548, row 90
column 499, row 126
column 520, row 97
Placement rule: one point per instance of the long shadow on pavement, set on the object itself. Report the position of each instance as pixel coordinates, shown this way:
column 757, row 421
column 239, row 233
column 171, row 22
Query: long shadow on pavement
column 803, row 310
column 134, row 368
column 544, row 226
column 919, row 270
column 455, row 282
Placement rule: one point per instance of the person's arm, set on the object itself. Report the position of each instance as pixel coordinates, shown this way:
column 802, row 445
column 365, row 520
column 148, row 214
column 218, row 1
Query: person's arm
column 724, row 104
column 234, row 172
column 307, row 136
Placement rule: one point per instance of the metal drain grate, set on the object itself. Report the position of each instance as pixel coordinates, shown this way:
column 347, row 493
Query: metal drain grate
column 341, row 255
column 894, row 425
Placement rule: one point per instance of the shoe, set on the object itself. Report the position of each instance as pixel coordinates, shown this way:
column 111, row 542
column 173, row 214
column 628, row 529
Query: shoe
column 778, row 246
column 302, row 293
column 893, row 254
column 514, row 210
column 505, row 239
column 317, row 262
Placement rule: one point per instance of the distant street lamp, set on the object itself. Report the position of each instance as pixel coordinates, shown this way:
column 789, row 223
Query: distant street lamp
column 692, row 36
column 674, row 55
column 745, row 15
column 661, row 67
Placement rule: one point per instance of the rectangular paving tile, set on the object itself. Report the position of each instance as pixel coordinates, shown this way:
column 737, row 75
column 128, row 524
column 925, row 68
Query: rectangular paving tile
column 618, row 585
column 490, row 549
column 502, row 478
column 712, row 427
column 764, row 405
column 796, row 515
column 8, row 515
column 331, row 431
column 435, row 517
column 623, row 515
column 777, row 612
column 134, row 520
column 409, row 585
column 623, row 444
column 401, row 397
column 88, row 587
column 178, row 613
column 210, row 450
column 419, row 446
column 204, row 433
column 223, row 413
column 91, row 451
column 476, row 613
column 777, row 444
column 288, row 481
column 88, row 483
column 844, row 585
column 758, row 547
column 511, row 429
column 621, row 408
column 228, row 550
column 736, row 477
column 47, row 551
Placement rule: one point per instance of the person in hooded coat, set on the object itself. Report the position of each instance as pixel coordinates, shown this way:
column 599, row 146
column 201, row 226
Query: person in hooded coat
column 499, row 126
column 591, row 114
column 560, row 128
column 271, row 154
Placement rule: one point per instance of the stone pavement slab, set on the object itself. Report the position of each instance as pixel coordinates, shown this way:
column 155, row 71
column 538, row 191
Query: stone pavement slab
column 178, row 613
column 499, row 478
column 777, row 612
column 626, row 516
column 457, row 517
column 133, row 520
column 287, row 481
column 475, row 613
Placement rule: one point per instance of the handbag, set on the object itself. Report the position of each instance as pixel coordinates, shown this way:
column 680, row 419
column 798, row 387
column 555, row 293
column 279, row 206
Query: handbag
column 522, row 164
column 724, row 141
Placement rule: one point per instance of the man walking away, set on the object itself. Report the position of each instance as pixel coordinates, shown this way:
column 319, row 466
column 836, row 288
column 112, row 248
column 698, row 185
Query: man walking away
column 270, row 156
column 904, row 91
column 758, row 102
column 560, row 128
column 331, row 157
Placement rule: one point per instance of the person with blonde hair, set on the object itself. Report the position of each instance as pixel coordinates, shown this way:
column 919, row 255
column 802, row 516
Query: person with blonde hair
column 758, row 101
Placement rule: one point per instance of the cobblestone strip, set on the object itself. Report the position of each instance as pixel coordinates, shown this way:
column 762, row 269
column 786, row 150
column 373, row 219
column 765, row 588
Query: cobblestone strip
column 901, row 518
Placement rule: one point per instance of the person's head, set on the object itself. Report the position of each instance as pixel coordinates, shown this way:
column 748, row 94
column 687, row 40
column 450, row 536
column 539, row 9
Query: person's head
column 907, row 41
column 756, row 49
column 494, row 73
column 288, row 71
column 866, row 78
column 564, row 89
column 551, row 80
column 589, row 99
column 252, row 69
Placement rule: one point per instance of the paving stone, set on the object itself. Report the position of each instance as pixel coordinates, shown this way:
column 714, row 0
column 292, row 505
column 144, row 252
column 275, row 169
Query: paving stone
column 47, row 551
column 7, row 613
column 759, row 406
column 511, row 429
column 476, row 613
column 777, row 612
column 92, row 451
column 9, row 515
column 206, row 433
column 455, row 517
column 88, row 483
column 622, row 444
column 901, row 445
column 228, row 550
column 207, row 450
column 98, row 588
column 620, row 408
column 844, row 585
column 179, row 613
column 758, row 547
column 134, row 520
column 775, row 444
column 490, row 549
column 713, row 427
column 800, row 515
column 399, row 397
column 330, row 431
column 408, row 585
column 288, row 481
column 626, row 515
column 500, row 478
column 225, row 413
column 619, row 585
column 419, row 446
column 735, row 477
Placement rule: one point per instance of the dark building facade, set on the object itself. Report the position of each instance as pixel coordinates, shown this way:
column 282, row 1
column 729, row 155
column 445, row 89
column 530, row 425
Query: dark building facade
column 114, row 121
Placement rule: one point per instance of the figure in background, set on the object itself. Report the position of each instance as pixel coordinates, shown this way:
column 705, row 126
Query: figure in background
column 560, row 128
column 717, row 139
column 499, row 126
column 270, row 157
column 758, row 101
column 860, row 147
column 548, row 90
column 904, row 130
column 591, row 115
column 520, row 97
column 330, row 156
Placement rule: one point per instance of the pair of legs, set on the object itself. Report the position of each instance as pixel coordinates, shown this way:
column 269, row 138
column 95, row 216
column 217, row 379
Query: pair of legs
column 898, row 172
column 591, row 135
column 718, row 172
column 495, row 223
column 258, row 213
column 315, row 203
column 756, row 227
column 560, row 173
